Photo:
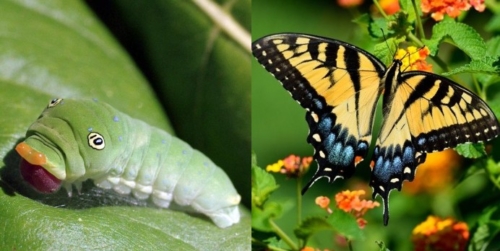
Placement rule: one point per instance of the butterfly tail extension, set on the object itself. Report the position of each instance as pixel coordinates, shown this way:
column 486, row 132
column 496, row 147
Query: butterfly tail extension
column 390, row 167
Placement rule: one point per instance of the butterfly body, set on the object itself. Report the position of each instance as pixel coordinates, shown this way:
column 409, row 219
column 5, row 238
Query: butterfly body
column 339, row 85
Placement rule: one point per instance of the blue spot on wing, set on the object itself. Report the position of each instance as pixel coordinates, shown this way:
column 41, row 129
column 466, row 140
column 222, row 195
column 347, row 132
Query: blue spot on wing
column 337, row 151
column 116, row 119
column 388, row 170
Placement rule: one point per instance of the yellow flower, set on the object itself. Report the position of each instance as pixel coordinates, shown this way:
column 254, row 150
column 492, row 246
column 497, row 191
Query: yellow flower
column 292, row 166
column 276, row 167
column 413, row 59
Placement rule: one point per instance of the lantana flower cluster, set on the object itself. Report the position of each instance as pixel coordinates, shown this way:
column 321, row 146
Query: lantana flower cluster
column 413, row 59
column 292, row 166
column 440, row 234
column 350, row 202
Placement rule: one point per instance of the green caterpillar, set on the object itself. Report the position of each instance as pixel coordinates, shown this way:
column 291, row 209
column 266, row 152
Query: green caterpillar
column 76, row 140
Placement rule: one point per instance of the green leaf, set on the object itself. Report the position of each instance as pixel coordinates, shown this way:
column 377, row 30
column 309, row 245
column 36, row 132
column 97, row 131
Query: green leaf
column 261, row 216
column 487, row 229
column 311, row 225
column 407, row 5
column 263, row 184
column 34, row 226
column 484, row 65
column 378, row 27
column 343, row 223
column 471, row 150
column 382, row 246
column 386, row 50
column 346, row 225
column 493, row 167
column 58, row 49
column 463, row 36
column 493, row 24
column 274, row 242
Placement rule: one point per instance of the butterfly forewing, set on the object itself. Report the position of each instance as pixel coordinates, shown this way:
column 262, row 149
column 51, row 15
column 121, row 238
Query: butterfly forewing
column 338, row 84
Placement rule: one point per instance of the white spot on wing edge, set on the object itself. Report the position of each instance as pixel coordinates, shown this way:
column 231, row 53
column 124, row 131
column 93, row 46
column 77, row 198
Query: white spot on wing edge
column 316, row 118
column 322, row 154
column 316, row 137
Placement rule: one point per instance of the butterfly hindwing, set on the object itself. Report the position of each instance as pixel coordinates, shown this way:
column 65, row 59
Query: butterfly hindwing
column 338, row 84
column 423, row 113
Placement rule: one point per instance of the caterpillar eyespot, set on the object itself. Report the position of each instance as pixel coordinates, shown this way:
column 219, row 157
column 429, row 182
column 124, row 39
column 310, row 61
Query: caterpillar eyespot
column 123, row 154
column 96, row 141
column 54, row 102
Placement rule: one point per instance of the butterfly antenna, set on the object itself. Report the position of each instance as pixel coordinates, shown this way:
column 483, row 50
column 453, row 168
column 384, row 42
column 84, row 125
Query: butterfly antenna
column 388, row 46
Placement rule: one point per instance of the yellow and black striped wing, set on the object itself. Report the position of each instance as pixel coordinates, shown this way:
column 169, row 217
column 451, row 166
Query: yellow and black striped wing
column 338, row 84
column 423, row 112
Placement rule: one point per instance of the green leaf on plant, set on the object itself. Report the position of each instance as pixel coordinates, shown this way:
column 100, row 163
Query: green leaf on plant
column 345, row 224
column 263, row 184
column 483, row 65
column 493, row 24
column 261, row 216
column 378, row 27
column 488, row 227
column 471, row 150
column 382, row 246
column 274, row 242
column 312, row 225
column 464, row 37
column 386, row 50
column 339, row 221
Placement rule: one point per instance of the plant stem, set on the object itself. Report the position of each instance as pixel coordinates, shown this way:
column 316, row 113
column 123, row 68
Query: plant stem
column 382, row 12
column 420, row 27
column 282, row 235
column 349, row 243
column 299, row 200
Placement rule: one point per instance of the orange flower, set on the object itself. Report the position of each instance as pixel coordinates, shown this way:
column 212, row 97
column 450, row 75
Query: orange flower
column 311, row 249
column 438, row 234
column 451, row 7
column 349, row 3
column 413, row 58
column 390, row 6
column 324, row 203
column 307, row 249
column 292, row 166
column 350, row 202
column 435, row 173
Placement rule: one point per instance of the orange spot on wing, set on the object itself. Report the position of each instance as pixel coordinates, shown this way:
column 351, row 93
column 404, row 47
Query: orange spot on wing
column 29, row 154
column 372, row 164
column 357, row 159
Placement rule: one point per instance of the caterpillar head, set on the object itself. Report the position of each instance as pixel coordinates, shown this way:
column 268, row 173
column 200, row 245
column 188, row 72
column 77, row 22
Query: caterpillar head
column 67, row 133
